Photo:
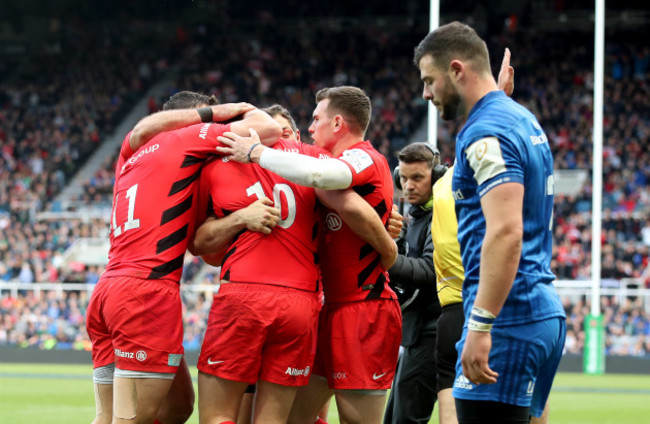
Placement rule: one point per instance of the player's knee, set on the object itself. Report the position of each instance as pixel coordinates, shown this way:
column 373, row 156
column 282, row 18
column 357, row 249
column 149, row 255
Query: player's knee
column 181, row 413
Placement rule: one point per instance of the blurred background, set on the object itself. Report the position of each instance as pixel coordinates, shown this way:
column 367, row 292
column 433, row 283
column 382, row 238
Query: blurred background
column 75, row 76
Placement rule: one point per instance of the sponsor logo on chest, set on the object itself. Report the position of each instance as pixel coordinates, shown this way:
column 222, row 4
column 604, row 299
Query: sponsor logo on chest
column 133, row 159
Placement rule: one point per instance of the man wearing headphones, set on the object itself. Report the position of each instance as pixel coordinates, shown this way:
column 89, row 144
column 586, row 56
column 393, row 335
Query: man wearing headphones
column 413, row 395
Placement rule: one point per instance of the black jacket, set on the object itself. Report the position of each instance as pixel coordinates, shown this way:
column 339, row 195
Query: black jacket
column 413, row 271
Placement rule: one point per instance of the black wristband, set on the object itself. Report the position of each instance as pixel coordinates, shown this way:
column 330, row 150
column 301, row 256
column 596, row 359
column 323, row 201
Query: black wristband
column 251, row 151
column 205, row 113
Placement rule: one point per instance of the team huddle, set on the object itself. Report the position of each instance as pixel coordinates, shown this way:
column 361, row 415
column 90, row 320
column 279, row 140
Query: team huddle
column 304, row 237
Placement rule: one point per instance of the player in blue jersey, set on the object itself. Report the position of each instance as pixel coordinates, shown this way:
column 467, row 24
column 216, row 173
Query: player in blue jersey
column 503, row 187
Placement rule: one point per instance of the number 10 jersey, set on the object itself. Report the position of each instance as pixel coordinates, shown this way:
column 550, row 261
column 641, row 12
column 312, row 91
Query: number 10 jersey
column 288, row 256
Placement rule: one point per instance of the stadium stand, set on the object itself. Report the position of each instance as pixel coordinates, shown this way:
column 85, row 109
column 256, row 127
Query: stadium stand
column 51, row 123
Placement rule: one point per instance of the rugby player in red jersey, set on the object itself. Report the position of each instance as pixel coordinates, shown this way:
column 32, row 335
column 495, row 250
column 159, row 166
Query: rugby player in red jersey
column 134, row 315
column 263, row 322
column 360, row 324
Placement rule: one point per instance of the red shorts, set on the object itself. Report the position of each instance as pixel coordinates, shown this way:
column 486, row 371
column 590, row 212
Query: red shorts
column 358, row 344
column 260, row 331
column 137, row 324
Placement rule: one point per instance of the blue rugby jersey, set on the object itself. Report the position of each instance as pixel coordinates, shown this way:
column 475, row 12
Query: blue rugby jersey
column 502, row 142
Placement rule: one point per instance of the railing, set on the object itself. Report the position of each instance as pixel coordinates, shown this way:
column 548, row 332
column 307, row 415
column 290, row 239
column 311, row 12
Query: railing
column 572, row 288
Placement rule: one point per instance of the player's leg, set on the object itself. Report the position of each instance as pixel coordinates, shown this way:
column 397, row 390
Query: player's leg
column 450, row 328
column 361, row 406
column 219, row 399
column 103, row 401
column 446, row 407
column 309, row 400
column 103, row 356
column 390, row 405
column 245, row 415
column 137, row 399
column 273, row 403
column 288, row 355
column 323, row 414
column 543, row 419
column 179, row 404
column 363, row 360
column 145, row 321
column 230, row 355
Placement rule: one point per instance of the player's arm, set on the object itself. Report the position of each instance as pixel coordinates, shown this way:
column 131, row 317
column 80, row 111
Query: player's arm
column 268, row 130
column 362, row 220
column 501, row 250
column 168, row 120
column 418, row 272
column 331, row 174
column 500, row 254
column 215, row 234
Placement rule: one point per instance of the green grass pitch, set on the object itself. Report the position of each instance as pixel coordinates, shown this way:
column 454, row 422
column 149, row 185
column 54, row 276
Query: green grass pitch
column 44, row 393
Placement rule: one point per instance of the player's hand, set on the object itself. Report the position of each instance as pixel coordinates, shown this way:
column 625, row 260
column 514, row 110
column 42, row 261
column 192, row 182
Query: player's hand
column 260, row 216
column 237, row 147
column 506, row 81
column 395, row 223
column 389, row 257
column 475, row 358
column 227, row 111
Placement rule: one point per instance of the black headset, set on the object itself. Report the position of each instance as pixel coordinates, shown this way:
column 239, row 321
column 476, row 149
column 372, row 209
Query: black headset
column 436, row 172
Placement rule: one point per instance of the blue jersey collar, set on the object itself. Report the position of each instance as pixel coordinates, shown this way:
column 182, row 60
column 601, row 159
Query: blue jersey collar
column 489, row 97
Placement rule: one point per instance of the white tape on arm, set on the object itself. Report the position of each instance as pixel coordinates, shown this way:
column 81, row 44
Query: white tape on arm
column 326, row 174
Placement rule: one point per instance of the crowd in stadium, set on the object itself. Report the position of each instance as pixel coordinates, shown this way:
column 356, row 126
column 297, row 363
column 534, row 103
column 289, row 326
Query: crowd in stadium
column 50, row 124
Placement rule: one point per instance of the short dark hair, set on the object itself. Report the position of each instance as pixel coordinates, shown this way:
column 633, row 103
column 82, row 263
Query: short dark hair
column 276, row 109
column 351, row 102
column 454, row 41
column 420, row 152
column 188, row 100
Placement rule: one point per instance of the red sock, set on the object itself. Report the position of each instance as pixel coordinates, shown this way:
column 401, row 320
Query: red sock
column 320, row 421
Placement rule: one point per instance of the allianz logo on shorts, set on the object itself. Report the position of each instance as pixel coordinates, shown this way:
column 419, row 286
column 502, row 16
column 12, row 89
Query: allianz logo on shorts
column 463, row 383
column 140, row 355
column 298, row 372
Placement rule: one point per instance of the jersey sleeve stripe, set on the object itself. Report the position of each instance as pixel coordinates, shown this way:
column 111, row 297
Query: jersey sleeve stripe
column 167, row 268
column 176, row 210
column 172, row 240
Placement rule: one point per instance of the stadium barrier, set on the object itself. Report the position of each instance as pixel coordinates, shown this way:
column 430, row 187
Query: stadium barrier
column 570, row 362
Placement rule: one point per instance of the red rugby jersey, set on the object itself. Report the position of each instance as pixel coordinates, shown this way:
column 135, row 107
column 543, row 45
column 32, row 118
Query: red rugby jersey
column 286, row 257
column 351, row 267
column 154, row 201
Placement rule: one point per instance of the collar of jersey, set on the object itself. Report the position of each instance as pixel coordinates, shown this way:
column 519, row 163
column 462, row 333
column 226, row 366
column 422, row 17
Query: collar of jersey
column 492, row 95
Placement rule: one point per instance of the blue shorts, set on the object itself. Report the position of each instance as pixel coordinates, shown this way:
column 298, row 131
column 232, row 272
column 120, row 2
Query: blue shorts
column 526, row 358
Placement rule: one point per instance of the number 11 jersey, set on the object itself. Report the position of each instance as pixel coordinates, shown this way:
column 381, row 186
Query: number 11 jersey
column 154, row 201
